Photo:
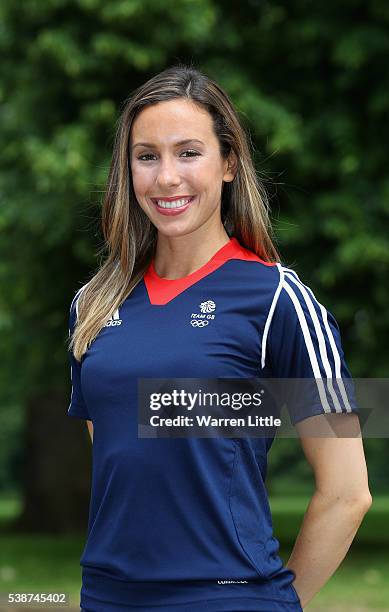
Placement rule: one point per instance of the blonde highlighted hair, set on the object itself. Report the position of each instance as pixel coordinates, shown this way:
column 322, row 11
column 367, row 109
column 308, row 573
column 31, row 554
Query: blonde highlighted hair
column 130, row 237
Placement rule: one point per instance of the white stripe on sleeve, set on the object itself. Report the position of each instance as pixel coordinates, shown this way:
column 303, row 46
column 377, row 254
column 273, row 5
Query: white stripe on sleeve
column 291, row 274
column 309, row 346
column 270, row 315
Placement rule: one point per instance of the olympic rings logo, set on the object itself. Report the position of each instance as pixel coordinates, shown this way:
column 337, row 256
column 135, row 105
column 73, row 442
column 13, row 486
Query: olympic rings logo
column 196, row 323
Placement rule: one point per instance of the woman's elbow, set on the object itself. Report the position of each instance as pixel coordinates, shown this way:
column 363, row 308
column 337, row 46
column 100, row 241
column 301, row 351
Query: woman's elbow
column 355, row 501
column 366, row 501
column 359, row 502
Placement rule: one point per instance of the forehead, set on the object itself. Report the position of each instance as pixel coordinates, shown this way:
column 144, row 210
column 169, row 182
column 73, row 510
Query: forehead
column 172, row 121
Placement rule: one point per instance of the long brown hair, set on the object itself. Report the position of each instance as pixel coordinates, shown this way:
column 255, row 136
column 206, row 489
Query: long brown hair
column 130, row 237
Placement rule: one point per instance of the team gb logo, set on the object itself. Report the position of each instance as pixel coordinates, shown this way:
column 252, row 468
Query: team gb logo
column 203, row 318
column 208, row 306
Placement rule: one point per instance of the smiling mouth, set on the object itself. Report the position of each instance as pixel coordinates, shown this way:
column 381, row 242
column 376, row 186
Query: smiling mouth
column 179, row 203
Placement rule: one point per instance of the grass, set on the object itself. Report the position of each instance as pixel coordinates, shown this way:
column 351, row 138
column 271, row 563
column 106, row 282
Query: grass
column 39, row 563
column 42, row 563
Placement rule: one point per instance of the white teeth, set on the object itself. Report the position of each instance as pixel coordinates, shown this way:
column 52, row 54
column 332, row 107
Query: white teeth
column 175, row 204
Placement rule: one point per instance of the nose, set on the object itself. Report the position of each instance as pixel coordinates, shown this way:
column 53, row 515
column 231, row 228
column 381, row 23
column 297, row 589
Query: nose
column 168, row 172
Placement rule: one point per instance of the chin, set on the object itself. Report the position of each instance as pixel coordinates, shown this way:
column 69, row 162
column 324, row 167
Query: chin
column 174, row 233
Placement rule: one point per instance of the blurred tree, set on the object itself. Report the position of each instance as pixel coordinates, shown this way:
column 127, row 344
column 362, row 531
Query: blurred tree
column 310, row 84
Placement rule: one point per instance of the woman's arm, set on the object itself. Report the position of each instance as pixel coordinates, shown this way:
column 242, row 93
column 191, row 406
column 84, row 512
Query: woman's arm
column 90, row 429
column 336, row 509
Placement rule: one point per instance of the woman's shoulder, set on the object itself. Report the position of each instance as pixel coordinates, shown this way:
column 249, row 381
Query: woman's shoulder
column 74, row 303
column 295, row 294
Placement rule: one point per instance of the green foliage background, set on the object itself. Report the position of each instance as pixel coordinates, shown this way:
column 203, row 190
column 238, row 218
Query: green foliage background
column 310, row 83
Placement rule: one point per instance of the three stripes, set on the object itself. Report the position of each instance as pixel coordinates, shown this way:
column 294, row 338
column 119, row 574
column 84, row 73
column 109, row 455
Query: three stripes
column 297, row 292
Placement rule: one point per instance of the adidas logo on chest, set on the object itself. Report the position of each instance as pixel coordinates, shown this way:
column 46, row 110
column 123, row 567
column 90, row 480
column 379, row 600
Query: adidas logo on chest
column 114, row 319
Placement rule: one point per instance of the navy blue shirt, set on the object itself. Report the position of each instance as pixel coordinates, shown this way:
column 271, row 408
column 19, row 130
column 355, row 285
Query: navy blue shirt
column 185, row 524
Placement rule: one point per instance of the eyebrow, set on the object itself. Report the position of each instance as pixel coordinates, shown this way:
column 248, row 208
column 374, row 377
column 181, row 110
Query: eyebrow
column 177, row 144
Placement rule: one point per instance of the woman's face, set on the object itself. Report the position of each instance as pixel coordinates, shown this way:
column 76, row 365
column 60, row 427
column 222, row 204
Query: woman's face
column 166, row 170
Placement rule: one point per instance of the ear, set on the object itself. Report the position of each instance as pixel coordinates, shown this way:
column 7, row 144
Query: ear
column 230, row 167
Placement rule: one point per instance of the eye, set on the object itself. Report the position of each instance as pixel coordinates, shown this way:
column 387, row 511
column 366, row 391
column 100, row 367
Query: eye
column 191, row 151
column 148, row 155
column 145, row 155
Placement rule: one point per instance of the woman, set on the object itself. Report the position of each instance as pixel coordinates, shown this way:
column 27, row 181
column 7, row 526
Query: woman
column 184, row 524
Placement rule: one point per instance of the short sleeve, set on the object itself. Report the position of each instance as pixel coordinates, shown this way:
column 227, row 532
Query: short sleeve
column 77, row 407
column 304, row 342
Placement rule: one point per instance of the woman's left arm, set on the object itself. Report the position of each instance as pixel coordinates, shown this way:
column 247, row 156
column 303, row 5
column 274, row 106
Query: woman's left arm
column 335, row 512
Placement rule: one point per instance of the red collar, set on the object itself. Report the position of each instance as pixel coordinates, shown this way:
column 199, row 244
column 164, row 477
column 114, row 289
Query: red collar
column 163, row 290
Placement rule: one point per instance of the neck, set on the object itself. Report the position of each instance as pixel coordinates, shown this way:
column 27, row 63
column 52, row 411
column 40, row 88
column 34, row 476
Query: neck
column 178, row 256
